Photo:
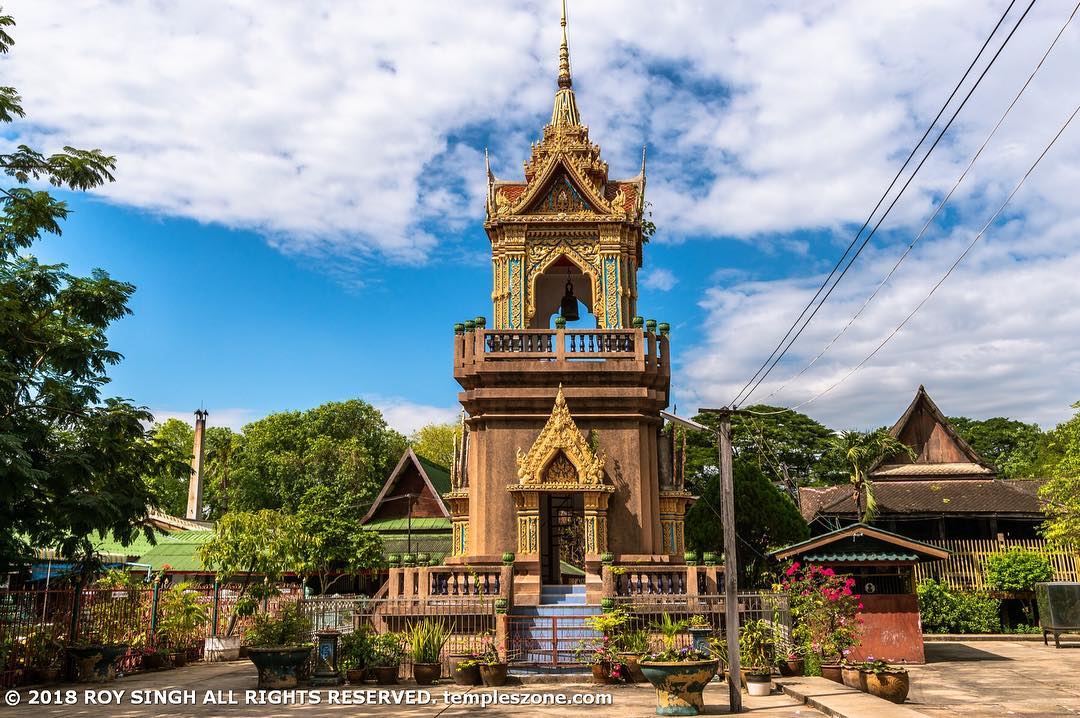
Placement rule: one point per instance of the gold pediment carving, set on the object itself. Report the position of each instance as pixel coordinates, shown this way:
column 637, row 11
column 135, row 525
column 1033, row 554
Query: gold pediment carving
column 560, row 457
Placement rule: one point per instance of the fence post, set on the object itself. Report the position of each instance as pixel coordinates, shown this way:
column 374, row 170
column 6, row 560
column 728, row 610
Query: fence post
column 154, row 611
column 215, row 618
column 76, row 607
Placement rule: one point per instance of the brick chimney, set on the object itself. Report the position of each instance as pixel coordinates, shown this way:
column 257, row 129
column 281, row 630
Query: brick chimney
column 198, row 457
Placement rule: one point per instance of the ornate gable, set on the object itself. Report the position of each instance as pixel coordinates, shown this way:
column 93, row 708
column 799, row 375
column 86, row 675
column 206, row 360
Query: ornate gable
column 560, row 457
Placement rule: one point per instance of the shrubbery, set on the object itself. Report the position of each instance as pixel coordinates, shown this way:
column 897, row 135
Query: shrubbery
column 947, row 611
column 1017, row 570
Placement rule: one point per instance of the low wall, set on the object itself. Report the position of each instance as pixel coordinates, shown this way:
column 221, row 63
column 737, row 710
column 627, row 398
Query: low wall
column 891, row 629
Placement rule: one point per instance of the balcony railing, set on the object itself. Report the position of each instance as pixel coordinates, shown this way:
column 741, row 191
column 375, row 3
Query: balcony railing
column 502, row 345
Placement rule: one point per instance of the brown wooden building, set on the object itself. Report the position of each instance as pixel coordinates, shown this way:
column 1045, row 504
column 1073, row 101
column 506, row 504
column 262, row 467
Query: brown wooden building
column 409, row 512
column 947, row 492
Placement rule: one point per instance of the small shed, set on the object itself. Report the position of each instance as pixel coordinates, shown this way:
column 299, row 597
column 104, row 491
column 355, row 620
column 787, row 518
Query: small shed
column 881, row 562
column 409, row 512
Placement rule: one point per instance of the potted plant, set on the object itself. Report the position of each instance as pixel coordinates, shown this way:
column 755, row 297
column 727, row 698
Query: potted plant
column 700, row 630
column 426, row 640
column 386, row 658
column 824, row 609
column 849, row 675
column 493, row 666
column 632, row 646
column 46, row 652
column 884, row 680
column 602, row 655
column 280, row 646
column 793, row 664
column 757, row 649
column 466, row 669
column 355, row 654
column 678, row 674
column 181, row 620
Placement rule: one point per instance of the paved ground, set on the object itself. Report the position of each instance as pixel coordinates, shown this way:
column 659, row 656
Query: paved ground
column 997, row 678
column 628, row 701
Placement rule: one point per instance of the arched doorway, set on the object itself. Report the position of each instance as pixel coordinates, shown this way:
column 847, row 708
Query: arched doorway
column 549, row 288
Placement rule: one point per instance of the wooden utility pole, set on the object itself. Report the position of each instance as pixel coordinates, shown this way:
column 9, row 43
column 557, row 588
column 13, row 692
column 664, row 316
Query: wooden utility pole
column 731, row 569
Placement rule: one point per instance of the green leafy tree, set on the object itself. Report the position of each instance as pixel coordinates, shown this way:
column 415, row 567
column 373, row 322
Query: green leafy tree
column 1012, row 446
column 334, row 544
column 944, row 610
column 73, row 460
column 345, row 445
column 264, row 543
column 765, row 517
column 170, row 489
column 1017, row 570
column 862, row 450
column 1060, row 459
column 435, row 442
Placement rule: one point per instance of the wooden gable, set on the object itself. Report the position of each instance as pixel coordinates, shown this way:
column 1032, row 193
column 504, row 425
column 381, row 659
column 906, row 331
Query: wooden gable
column 412, row 475
column 937, row 446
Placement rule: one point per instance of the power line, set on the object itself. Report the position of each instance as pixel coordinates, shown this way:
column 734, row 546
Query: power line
column 937, row 211
column 780, row 349
column 945, row 276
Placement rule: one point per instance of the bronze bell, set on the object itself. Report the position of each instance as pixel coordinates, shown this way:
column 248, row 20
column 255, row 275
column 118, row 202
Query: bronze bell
column 568, row 310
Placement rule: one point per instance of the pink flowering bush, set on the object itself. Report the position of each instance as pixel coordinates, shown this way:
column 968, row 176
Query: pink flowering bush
column 824, row 610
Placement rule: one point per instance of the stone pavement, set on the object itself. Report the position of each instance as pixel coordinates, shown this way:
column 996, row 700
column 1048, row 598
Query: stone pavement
column 997, row 678
column 627, row 701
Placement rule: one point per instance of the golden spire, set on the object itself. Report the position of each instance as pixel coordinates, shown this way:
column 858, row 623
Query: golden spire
column 565, row 111
column 564, row 54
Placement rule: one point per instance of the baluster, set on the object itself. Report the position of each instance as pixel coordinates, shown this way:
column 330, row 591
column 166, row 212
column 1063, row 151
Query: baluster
column 681, row 577
column 487, row 584
column 498, row 587
column 453, row 577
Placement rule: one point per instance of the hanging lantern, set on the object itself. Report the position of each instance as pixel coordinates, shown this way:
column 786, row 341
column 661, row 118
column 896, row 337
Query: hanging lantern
column 569, row 310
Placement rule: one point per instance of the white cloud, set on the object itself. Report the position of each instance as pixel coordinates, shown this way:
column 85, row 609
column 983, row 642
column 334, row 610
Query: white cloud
column 234, row 419
column 660, row 279
column 407, row 416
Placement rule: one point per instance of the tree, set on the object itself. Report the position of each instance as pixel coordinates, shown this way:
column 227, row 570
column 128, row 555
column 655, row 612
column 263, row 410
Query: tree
column 170, row 489
column 334, row 541
column 1061, row 459
column 1012, row 446
column 247, row 543
column 435, row 442
column 72, row 460
column 765, row 517
column 344, row 445
column 862, row 450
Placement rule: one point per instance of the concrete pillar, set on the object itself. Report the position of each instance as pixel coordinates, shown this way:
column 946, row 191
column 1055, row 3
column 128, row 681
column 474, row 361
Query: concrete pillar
column 198, row 457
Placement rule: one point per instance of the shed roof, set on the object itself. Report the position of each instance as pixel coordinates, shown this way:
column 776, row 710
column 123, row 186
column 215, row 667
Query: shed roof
column 861, row 543
column 1017, row 497
column 180, row 551
column 432, row 474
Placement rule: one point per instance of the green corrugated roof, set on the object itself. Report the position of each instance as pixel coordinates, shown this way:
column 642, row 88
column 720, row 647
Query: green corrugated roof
column 137, row 547
column 852, row 556
column 179, row 550
column 440, row 477
column 399, row 543
column 418, row 524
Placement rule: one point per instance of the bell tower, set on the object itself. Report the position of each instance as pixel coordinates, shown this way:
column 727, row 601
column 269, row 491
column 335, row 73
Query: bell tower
column 567, row 222
column 560, row 463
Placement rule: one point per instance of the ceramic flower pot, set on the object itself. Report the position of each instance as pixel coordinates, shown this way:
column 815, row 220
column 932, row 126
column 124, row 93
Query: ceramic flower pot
column 850, row 677
column 601, row 673
column 679, row 685
column 632, row 661
column 792, row 667
column 426, row 673
column 96, row 663
column 386, row 675
column 46, row 675
column 832, row 672
column 700, row 636
column 493, row 674
column 758, row 684
column 279, row 666
column 892, row 686
column 356, row 675
column 467, row 676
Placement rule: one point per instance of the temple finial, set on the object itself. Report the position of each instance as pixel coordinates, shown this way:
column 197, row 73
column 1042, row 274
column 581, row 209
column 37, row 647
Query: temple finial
column 564, row 54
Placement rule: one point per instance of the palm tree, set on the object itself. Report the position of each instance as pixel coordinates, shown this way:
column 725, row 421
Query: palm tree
column 862, row 450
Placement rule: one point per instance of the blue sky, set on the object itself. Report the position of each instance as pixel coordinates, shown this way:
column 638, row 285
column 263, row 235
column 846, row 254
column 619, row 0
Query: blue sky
column 299, row 194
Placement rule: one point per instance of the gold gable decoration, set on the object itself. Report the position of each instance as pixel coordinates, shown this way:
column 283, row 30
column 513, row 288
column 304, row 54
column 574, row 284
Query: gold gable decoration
column 561, row 458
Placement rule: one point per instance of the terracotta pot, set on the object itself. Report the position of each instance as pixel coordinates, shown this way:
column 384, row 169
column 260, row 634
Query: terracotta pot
column 153, row 661
column 46, row 675
column 426, row 673
column 179, row 660
column 892, row 686
column 832, row 672
column 850, row 676
column 493, row 674
column 679, row 685
column 601, row 673
column 356, row 675
column 468, row 676
column 96, row 663
column 386, row 675
column 792, row 667
column 632, row 661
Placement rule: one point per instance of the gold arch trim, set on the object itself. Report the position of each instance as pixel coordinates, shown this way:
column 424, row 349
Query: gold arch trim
column 560, row 439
